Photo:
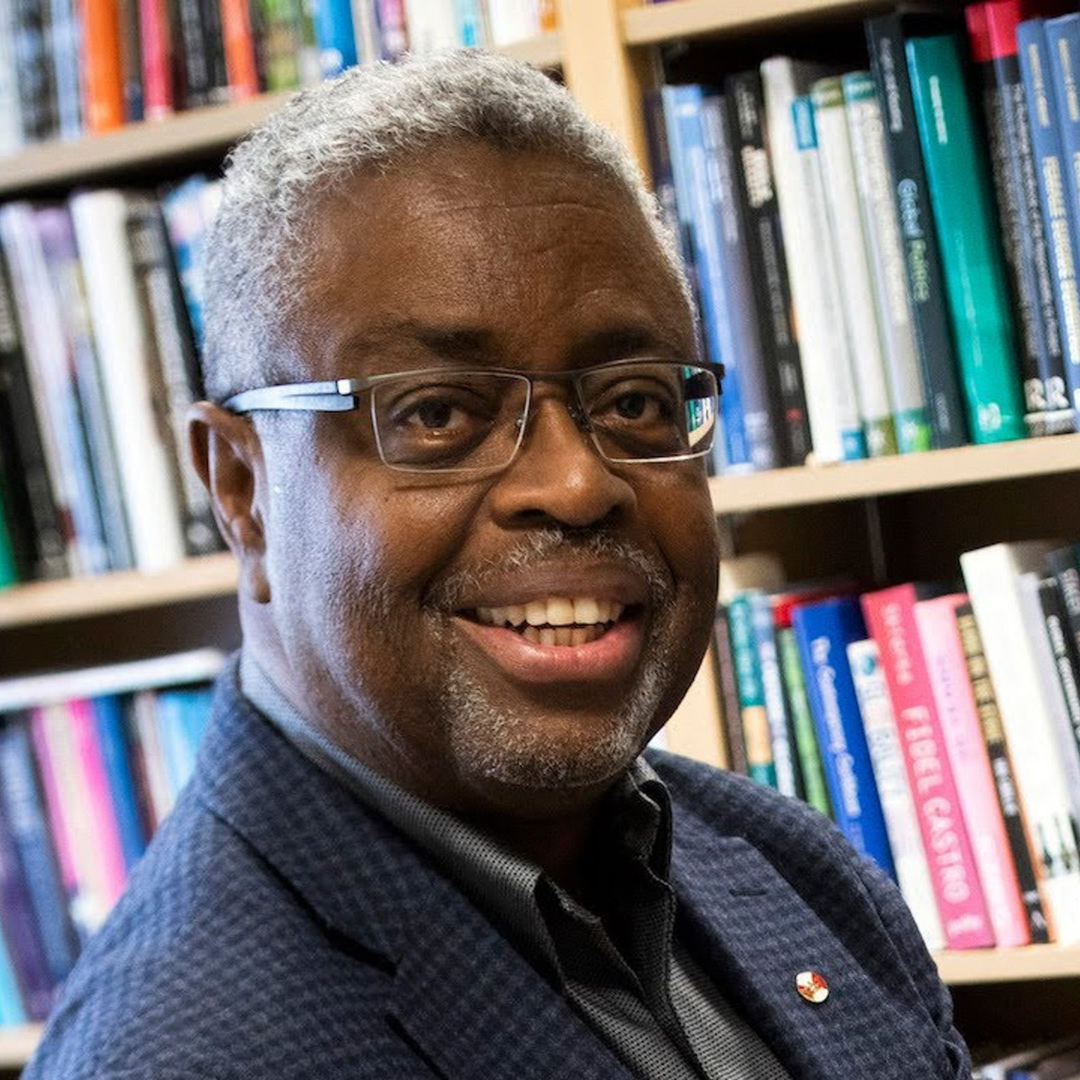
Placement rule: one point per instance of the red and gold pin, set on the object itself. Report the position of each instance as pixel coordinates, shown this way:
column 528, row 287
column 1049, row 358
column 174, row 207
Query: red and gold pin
column 812, row 986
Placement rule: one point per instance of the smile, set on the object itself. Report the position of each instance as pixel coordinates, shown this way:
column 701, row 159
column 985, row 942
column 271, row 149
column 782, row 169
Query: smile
column 559, row 621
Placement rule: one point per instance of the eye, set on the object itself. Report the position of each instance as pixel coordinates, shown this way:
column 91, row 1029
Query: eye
column 434, row 414
column 631, row 406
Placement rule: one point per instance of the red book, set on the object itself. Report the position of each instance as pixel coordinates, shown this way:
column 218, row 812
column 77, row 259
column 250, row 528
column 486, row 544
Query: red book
column 890, row 615
column 156, row 44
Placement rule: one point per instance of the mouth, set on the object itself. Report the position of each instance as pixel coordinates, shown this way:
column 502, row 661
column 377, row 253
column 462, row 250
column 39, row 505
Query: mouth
column 560, row 621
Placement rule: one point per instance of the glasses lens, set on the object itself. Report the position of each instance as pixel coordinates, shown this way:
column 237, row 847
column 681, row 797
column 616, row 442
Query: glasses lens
column 652, row 410
column 449, row 421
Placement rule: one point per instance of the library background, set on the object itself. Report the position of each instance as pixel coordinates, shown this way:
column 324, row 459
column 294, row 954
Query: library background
column 881, row 212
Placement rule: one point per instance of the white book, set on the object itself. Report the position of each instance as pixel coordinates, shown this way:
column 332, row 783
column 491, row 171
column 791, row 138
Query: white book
column 823, row 345
column 830, row 391
column 881, row 226
column 992, row 576
column 148, row 731
column 431, row 25
column 146, row 473
column 177, row 669
column 512, row 20
column 366, row 32
column 849, row 248
column 11, row 134
column 897, row 804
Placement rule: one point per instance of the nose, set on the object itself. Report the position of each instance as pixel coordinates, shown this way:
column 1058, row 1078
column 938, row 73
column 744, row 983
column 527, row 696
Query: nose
column 558, row 476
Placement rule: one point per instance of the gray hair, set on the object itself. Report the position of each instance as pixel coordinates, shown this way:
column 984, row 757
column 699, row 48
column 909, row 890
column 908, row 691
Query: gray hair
column 371, row 117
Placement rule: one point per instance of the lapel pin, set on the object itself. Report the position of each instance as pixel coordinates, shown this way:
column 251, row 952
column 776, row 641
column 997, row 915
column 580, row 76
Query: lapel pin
column 812, row 986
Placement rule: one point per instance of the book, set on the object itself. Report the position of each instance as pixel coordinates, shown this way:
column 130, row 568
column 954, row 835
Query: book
column 962, row 733
column 890, row 776
column 64, row 35
column 849, row 248
column 238, row 38
column 824, row 630
column 992, row 576
column 431, row 26
column 11, row 128
column 195, row 85
column 392, row 28
column 335, row 36
column 110, row 722
column 890, row 616
column 885, row 36
column 1051, row 169
column 964, row 214
column 12, row 1013
column 127, row 17
column 788, row 775
column 278, row 30
column 815, row 291
column 731, row 710
column 831, row 391
column 882, row 232
column 155, row 37
column 764, row 241
column 30, row 38
column 992, row 31
column 102, row 65
column 146, row 473
column 9, row 574
column 755, row 719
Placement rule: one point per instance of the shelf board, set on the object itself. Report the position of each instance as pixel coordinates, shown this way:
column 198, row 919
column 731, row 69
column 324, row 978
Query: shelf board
column 73, row 598
column 960, row 968
column 935, row 469
column 17, row 1044
column 183, row 135
column 652, row 24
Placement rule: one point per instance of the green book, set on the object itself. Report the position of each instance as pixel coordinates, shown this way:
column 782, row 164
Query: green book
column 8, row 574
column 957, row 166
column 802, row 722
column 759, row 755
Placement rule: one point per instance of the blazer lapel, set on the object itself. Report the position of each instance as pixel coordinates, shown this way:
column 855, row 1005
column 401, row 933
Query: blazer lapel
column 753, row 932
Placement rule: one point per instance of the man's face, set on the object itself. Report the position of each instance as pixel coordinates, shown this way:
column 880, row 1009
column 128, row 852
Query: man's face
column 392, row 592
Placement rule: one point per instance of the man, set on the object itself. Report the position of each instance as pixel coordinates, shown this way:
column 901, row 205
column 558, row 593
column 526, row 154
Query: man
column 457, row 451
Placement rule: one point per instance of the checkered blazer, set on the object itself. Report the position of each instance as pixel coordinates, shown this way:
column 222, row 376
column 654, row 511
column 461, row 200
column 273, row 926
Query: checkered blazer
column 278, row 929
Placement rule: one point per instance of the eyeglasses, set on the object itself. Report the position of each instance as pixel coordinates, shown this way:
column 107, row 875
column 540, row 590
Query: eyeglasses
column 474, row 420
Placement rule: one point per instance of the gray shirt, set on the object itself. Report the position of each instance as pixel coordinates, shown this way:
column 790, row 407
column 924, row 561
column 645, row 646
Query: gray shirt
column 622, row 966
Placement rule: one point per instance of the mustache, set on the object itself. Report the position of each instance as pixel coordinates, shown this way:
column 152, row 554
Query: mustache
column 545, row 546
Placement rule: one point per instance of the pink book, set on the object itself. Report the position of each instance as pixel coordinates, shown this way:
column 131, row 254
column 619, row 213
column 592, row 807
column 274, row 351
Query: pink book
column 111, row 868
column 964, row 917
column 156, row 47
column 962, row 732
column 57, row 821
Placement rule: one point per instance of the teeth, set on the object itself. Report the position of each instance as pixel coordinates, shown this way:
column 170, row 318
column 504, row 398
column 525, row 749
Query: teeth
column 532, row 634
column 586, row 610
column 486, row 615
column 559, row 611
column 580, row 634
column 515, row 614
column 536, row 612
column 547, row 635
column 563, row 635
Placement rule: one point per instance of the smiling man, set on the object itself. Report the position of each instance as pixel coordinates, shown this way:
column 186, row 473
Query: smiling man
column 457, row 449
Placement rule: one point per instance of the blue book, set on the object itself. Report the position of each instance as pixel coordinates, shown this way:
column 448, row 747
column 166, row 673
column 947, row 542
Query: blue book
column 700, row 231
column 1057, row 190
column 195, row 710
column 334, row 36
column 174, row 743
column 109, row 722
column 823, row 632
column 24, row 810
column 12, row 1013
column 772, row 685
column 469, row 22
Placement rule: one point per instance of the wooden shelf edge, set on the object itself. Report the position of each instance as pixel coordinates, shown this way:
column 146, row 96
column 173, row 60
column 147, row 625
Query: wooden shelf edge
column 936, row 469
column 653, row 24
column 17, row 1044
column 72, row 598
column 184, row 134
column 970, row 966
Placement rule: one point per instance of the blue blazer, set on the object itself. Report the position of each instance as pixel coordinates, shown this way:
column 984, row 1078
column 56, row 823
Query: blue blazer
column 278, row 928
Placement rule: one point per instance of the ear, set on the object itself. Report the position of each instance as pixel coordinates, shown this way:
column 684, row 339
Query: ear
column 227, row 455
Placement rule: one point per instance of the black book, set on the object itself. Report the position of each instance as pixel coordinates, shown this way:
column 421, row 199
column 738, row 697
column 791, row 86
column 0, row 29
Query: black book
column 1063, row 645
column 772, row 294
column 922, row 257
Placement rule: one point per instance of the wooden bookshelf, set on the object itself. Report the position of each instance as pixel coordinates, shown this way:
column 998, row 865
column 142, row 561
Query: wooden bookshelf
column 72, row 598
column 185, row 135
column 934, row 470
column 653, row 24
column 961, row 968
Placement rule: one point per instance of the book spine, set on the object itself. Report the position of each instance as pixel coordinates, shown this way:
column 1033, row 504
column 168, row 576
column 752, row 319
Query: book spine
column 9, row 573
column 755, row 719
column 127, row 15
column 993, row 735
column 217, row 60
column 24, row 810
column 157, row 58
column 109, row 722
column 887, row 760
column 823, row 632
column 831, row 391
column 12, row 1013
column 816, row 791
column 964, row 915
column 974, row 275
column 769, row 268
column 992, row 576
column 947, row 668
column 393, row 29
column 788, row 781
column 882, row 230
column 103, row 90
column 239, row 40
column 1066, row 656
column 193, row 51
column 922, row 258
column 1065, row 566
column 37, row 106
column 334, row 33
column 151, row 755
column 64, row 27
column 729, row 690
column 279, row 43
column 992, row 30
column 11, row 123
column 849, row 248
column 1063, row 55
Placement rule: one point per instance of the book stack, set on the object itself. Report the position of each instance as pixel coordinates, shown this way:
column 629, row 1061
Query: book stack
column 100, row 326
column 937, row 725
column 885, row 259
column 68, row 68
column 91, row 762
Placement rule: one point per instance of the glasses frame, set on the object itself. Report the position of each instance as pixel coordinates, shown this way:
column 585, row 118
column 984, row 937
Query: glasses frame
column 343, row 395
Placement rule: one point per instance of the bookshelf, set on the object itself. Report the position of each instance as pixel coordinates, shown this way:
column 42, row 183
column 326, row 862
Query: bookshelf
column 607, row 51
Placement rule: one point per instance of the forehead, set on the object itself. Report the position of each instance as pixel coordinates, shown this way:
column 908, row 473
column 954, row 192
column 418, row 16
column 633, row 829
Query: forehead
column 525, row 255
